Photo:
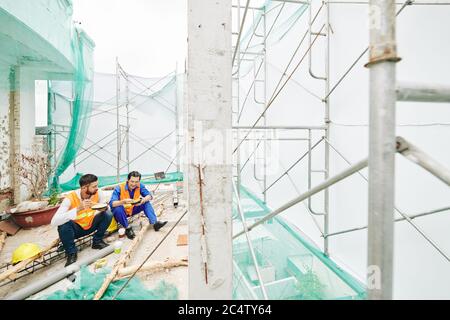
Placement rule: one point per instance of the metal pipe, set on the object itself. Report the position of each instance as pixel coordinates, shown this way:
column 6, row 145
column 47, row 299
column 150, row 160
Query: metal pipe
column 280, row 127
column 327, row 131
column 405, row 216
column 422, row 92
column 344, row 174
column 118, row 119
column 306, row 207
column 238, row 91
column 276, row 93
column 292, row 1
column 406, row 3
column 396, row 220
column 419, row 157
column 177, row 118
column 292, row 166
column 382, row 59
column 265, row 100
column 241, row 26
column 310, row 39
column 52, row 278
column 277, row 139
column 128, row 123
column 249, row 242
column 309, row 173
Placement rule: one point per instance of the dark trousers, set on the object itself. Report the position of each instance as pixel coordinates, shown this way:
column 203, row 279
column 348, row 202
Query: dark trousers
column 71, row 230
column 121, row 216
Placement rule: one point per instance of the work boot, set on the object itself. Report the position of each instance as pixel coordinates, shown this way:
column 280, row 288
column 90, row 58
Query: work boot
column 99, row 245
column 71, row 258
column 130, row 233
column 158, row 225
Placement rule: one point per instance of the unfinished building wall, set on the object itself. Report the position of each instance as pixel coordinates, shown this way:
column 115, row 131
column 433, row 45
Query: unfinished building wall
column 5, row 190
column 209, row 169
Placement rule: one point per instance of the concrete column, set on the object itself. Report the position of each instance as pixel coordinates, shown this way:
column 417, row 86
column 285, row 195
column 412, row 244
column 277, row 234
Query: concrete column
column 209, row 149
column 5, row 191
column 21, row 124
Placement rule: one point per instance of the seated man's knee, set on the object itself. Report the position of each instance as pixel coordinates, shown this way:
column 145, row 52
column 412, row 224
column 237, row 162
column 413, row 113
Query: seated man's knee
column 65, row 227
column 108, row 214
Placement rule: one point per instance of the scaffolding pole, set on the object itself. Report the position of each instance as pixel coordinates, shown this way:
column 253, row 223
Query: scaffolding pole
column 118, row 119
column 382, row 148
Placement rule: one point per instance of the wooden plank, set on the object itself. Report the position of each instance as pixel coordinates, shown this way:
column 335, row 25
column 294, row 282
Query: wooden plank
column 123, row 260
column 2, row 239
column 152, row 267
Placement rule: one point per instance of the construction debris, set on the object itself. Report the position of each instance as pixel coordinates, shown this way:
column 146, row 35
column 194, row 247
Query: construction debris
column 152, row 267
column 12, row 273
column 2, row 239
column 182, row 240
column 9, row 227
column 124, row 259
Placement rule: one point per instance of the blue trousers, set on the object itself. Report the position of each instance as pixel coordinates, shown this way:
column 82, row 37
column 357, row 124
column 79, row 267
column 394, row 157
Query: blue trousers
column 121, row 216
column 71, row 230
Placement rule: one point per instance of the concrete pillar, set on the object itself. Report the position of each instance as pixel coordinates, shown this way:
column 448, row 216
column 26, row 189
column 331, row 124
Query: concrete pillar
column 21, row 124
column 209, row 149
column 5, row 191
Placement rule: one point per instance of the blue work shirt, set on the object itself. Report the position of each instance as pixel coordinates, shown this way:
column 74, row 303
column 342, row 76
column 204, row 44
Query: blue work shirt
column 116, row 193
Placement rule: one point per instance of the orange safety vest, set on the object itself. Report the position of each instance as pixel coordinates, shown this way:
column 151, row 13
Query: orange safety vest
column 84, row 217
column 124, row 194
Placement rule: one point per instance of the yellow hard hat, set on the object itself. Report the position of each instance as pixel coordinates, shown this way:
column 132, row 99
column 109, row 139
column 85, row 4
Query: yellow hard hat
column 25, row 251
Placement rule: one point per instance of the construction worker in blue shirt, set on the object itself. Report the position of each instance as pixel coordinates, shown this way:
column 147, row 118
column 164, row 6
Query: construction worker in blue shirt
column 122, row 200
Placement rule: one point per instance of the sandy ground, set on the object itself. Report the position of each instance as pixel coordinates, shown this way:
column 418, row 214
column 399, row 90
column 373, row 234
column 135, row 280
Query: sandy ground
column 168, row 249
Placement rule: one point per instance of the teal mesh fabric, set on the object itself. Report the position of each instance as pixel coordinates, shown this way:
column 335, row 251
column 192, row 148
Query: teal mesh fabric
column 81, row 108
column 87, row 284
column 103, row 181
column 292, row 267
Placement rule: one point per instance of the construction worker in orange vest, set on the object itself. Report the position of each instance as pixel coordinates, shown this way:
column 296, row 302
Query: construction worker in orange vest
column 127, row 193
column 75, row 218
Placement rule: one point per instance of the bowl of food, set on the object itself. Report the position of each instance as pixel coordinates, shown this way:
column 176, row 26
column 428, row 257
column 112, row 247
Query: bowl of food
column 136, row 201
column 99, row 206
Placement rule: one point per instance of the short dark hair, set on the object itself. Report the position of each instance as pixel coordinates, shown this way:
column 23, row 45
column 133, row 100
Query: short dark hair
column 87, row 179
column 134, row 174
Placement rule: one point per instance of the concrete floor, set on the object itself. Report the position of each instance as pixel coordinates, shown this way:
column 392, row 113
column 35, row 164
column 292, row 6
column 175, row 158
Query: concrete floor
column 46, row 234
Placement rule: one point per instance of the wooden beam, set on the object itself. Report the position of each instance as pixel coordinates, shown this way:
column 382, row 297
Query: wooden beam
column 152, row 267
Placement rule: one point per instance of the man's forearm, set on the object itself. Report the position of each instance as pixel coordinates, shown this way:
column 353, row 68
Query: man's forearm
column 117, row 203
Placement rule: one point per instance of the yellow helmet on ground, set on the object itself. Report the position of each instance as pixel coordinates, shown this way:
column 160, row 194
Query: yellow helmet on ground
column 25, row 251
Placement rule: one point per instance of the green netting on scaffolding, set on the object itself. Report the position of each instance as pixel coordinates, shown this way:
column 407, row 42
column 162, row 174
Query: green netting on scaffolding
column 80, row 109
column 285, row 18
column 87, row 284
column 291, row 266
column 103, row 181
column 145, row 108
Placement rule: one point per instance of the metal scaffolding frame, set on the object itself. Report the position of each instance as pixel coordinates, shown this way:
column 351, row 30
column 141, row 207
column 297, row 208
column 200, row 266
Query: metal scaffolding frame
column 384, row 93
column 121, row 135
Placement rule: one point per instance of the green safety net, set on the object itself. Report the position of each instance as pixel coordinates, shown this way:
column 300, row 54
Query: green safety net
column 103, row 181
column 291, row 266
column 87, row 284
column 81, row 108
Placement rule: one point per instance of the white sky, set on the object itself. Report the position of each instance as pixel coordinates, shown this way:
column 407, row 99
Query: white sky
column 148, row 36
